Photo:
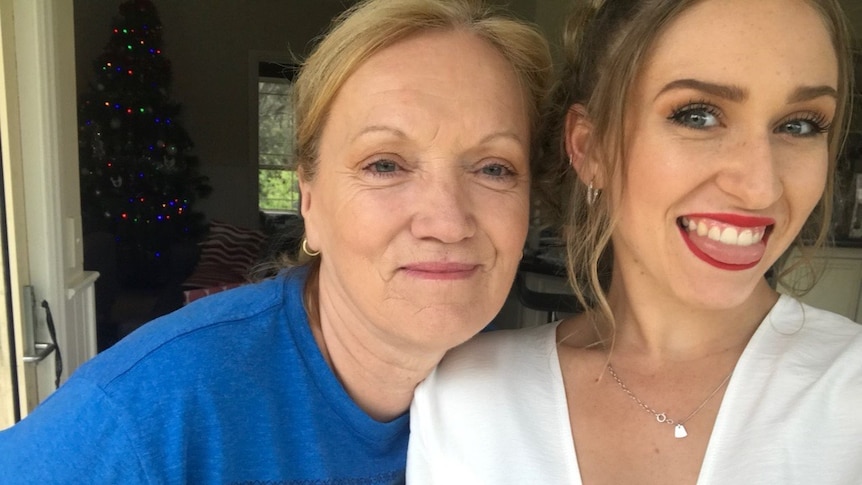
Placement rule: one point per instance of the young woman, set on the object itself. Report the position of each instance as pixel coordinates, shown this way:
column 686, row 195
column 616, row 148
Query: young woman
column 702, row 135
column 415, row 121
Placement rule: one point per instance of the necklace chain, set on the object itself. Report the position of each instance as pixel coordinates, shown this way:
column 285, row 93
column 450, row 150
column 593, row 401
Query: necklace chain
column 679, row 429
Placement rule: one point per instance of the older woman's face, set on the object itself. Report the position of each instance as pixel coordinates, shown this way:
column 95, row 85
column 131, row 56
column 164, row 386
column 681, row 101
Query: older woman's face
column 420, row 205
column 727, row 153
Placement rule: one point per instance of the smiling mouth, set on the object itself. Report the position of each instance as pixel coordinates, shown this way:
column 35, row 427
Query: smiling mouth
column 726, row 241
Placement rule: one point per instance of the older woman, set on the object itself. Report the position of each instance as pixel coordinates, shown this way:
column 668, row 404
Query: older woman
column 415, row 120
column 701, row 138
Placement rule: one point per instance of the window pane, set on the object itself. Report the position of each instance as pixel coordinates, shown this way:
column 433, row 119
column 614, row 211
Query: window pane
column 278, row 190
column 275, row 122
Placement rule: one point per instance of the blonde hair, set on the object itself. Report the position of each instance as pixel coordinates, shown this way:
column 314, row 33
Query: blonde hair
column 373, row 25
column 606, row 43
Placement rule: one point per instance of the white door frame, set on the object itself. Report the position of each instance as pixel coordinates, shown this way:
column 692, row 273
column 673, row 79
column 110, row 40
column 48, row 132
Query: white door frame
column 38, row 126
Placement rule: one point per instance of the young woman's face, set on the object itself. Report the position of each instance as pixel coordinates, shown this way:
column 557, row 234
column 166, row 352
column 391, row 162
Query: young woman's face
column 726, row 148
column 420, row 204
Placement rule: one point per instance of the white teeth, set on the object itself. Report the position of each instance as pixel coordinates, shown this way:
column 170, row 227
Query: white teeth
column 728, row 235
column 714, row 233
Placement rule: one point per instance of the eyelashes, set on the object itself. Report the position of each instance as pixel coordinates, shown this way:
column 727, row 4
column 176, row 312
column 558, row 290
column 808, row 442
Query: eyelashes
column 492, row 170
column 703, row 115
column 810, row 123
column 696, row 114
column 382, row 168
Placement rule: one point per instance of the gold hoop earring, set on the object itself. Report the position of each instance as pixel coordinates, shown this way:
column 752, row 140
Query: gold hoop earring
column 307, row 251
column 592, row 194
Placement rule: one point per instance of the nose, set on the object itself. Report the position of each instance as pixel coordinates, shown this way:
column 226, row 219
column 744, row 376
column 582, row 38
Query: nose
column 751, row 173
column 444, row 211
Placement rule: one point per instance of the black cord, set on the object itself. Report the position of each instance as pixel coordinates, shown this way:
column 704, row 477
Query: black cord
column 58, row 359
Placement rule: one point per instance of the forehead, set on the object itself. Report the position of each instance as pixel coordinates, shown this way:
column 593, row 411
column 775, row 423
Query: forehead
column 445, row 69
column 741, row 39
column 452, row 54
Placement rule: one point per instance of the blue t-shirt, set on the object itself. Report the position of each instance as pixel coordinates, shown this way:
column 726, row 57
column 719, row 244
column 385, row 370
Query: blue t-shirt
column 231, row 389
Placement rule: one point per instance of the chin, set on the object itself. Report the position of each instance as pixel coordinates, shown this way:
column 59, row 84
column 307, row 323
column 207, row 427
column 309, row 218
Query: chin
column 454, row 326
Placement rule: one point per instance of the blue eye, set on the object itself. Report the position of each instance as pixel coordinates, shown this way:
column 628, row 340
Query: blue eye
column 804, row 127
column 383, row 166
column 496, row 170
column 697, row 116
column 797, row 127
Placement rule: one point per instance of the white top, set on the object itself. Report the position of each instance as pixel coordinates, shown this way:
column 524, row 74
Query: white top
column 494, row 411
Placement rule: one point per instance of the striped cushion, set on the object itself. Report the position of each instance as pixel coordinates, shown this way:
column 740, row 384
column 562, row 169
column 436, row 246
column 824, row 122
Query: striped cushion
column 198, row 293
column 227, row 255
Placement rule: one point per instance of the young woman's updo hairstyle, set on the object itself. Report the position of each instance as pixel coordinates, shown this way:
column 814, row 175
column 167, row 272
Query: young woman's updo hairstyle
column 606, row 43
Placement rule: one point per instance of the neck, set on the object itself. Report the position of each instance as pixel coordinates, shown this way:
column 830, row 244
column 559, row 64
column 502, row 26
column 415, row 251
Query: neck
column 380, row 372
column 661, row 329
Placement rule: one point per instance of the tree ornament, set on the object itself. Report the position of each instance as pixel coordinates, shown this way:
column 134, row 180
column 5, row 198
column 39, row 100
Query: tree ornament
column 98, row 148
column 169, row 163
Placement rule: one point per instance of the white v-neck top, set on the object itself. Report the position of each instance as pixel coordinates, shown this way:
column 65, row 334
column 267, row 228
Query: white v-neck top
column 495, row 412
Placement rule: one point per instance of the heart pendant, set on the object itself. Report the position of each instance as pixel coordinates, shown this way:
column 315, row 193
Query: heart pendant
column 679, row 431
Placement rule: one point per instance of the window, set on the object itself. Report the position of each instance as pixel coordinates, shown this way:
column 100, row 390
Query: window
column 278, row 191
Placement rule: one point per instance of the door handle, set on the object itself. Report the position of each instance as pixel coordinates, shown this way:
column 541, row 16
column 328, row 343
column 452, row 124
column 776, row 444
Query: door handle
column 42, row 351
column 35, row 352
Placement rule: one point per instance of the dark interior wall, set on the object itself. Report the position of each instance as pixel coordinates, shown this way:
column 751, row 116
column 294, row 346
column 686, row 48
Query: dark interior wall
column 853, row 9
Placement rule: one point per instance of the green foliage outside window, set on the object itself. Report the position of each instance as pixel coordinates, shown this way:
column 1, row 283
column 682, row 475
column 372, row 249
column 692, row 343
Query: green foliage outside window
column 277, row 187
column 278, row 190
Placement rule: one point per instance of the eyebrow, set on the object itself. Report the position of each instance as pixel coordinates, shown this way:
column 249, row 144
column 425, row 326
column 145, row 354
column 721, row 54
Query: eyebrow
column 502, row 134
column 380, row 128
column 806, row 93
column 737, row 94
column 400, row 134
column 731, row 93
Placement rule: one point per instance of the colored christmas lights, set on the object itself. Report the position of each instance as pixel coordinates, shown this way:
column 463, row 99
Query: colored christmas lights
column 139, row 179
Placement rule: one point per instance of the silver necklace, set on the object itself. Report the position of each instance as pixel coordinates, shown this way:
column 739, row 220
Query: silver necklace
column 679, row 430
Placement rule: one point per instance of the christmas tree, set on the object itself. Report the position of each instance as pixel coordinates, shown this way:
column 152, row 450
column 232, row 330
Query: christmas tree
column 139, row 179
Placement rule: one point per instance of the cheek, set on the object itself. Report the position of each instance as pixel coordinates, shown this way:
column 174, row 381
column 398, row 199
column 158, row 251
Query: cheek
column 506, row 221
column 804, row 190
column 363, row 221
column 804, row 178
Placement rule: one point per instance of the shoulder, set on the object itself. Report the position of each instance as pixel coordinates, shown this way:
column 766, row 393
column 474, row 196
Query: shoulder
column 494, row 364
column 498, row 398
column 813, row 334
column 200, row 331
column 495, row 353
column 801, row 350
